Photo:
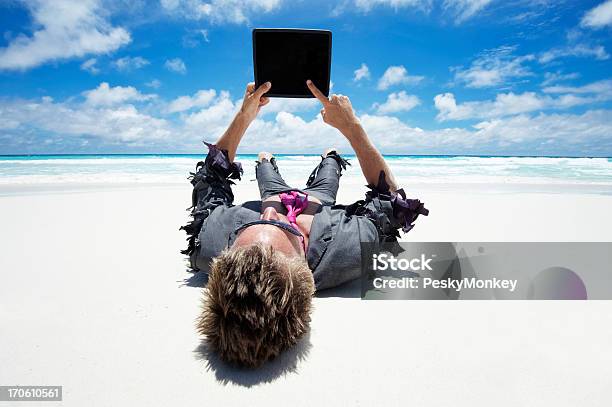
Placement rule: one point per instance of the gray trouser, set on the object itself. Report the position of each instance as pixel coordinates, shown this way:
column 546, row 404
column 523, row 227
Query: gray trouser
column 323, row 183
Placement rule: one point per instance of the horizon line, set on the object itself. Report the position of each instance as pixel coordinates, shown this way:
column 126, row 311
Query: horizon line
column 303, row 154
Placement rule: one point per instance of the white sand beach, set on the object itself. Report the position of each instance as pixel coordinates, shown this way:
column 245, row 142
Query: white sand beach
column 95, row 296
column 496, row 115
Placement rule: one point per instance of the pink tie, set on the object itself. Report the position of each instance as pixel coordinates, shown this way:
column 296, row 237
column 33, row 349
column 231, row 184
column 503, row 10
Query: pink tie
column 295, row 204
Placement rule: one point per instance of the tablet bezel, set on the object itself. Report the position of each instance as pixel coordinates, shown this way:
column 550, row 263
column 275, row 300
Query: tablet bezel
column 292, row 30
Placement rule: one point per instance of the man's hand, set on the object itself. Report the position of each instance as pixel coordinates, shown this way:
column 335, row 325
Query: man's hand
column 337, row 111
column 254, row 100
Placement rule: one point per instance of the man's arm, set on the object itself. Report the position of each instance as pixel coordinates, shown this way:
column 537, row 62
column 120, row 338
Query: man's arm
column 370, row 159
column 384, row 198
column 338, row 112
column 253, row 101
column 212, row 179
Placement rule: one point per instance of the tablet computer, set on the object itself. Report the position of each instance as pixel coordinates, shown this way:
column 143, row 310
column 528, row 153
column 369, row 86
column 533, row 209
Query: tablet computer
column 288, row 57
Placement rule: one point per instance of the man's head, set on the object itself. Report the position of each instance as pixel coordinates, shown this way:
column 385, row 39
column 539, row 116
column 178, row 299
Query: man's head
column 257, row 303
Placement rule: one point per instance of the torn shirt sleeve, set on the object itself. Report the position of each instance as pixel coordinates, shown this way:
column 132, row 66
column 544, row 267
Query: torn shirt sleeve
column 389, row 210
column 212, row 187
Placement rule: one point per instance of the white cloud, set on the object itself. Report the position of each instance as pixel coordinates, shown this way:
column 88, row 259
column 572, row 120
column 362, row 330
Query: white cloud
column 65, row 29
column 125, row 125
column 363, row 72
column 590, row 132
column 104, row 95
column 7, row 123
column 275, row 124
column 508, row 104
column 599, row 16
column 587, row 133
column 600, row 88
column 459, row 10
column 554, row 77
column 193, row 38
column 176, row 65
column 221, row 11
column 117, row 124
column 576, row 50
column 155, row 84
column 213, row 119
column 392, row 136
column 130, row 63
column 204, row 34
column 277, row 105
column 494, row 67
column 367, row 5
column 397, row 75
column 504, row 104
column 465, row 9
column 398, row 102
column 201, row 98
column 90, row 66
column 282, row 132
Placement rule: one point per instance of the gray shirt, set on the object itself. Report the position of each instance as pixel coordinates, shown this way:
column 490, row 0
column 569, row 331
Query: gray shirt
column 334, row 250
column 333, row 253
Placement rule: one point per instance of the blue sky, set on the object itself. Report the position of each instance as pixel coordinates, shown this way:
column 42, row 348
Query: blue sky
column 425, row 77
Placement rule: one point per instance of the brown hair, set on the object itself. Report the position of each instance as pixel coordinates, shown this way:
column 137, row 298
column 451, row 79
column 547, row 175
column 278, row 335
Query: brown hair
column 257, row 303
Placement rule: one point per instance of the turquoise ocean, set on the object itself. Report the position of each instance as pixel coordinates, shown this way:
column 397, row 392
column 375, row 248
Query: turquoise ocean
column 174, row 168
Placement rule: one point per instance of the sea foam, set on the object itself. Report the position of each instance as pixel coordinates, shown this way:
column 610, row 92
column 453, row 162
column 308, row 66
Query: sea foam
column 173, row 169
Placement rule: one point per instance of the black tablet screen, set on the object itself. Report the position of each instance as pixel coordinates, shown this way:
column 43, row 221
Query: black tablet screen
column 288, row 58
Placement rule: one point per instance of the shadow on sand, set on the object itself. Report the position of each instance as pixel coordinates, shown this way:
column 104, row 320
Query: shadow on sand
column 197, row 279
column 286, row 363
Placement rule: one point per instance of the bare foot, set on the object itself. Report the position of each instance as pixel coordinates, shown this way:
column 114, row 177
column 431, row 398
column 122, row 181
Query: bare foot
column 264, row 154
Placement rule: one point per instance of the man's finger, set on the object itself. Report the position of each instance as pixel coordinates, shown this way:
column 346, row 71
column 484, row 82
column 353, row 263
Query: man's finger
column 317, row 93
column 250, row 88
column 264, row 101
column 263, row 88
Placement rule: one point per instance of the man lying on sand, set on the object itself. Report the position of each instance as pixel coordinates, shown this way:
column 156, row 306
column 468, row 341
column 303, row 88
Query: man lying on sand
column 266, row 258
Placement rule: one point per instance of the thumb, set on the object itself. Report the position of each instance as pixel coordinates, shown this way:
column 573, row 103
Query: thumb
column 262, row 89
